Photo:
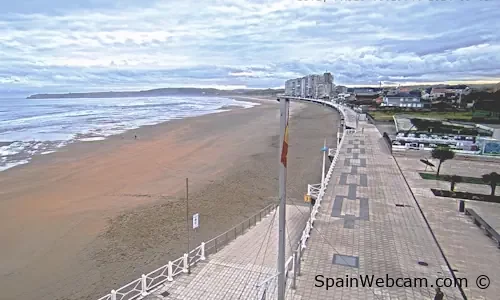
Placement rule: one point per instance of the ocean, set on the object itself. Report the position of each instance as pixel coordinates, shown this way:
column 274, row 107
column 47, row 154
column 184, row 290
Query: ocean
column 31, row 127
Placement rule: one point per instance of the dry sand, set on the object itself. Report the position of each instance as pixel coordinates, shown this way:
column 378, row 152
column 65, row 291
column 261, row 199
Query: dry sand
column 94, row 216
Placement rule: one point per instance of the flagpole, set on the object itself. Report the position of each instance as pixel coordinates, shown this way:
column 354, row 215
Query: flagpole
column 284, row 104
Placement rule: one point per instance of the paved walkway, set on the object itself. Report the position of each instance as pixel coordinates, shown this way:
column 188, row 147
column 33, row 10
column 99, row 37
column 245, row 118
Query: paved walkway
column 467, row 248
column 369, row 224
column 351, row 117
column 234, row 272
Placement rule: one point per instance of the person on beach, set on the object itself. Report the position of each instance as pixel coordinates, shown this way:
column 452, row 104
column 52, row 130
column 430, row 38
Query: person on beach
column 135, row 137
column 439, row 294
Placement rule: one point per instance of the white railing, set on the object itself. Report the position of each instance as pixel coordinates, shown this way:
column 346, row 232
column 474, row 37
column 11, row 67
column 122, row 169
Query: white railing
column 268, row 289
column 320, row 194
column 147, row 283
column 314, row 189
column 143, row 286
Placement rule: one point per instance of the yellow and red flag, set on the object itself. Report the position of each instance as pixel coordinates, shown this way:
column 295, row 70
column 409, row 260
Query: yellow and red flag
column 284, row 150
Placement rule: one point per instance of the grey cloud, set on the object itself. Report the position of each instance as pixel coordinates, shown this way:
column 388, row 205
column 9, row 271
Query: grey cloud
column 236, row 42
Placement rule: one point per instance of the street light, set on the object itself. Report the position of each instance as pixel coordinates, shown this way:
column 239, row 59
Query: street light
column 324, row 150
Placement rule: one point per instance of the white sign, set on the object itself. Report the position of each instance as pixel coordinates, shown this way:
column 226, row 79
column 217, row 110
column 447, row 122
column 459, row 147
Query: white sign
column 196, row 221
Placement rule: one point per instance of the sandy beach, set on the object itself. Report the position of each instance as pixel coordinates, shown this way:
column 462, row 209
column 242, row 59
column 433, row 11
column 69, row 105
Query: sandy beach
column 93, row 216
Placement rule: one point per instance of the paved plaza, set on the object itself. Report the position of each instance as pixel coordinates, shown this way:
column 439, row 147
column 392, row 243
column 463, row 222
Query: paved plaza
column 351, row 117
column 369, row 224
column 470, row 252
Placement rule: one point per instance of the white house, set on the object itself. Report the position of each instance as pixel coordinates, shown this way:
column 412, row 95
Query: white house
column 402, row 100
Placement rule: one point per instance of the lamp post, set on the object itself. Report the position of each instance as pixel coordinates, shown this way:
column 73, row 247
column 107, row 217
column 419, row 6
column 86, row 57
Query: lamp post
column 324, row 150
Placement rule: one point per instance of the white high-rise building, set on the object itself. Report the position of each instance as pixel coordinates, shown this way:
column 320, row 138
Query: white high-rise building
column 313, row 86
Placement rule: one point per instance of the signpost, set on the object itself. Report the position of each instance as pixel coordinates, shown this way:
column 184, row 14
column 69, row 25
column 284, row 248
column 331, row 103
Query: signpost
column 196, row 221
column 187, row 221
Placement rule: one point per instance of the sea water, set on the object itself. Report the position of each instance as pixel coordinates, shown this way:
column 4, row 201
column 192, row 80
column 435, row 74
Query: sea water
column 31, row 127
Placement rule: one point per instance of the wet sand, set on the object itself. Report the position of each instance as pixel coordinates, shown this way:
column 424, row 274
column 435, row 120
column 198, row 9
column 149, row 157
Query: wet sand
column 94, row 216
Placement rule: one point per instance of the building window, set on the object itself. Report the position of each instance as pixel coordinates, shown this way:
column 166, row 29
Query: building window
column 401, row 99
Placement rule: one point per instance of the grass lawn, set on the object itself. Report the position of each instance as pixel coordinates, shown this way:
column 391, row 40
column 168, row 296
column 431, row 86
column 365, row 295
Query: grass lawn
column 385, row 116
column 465, row 179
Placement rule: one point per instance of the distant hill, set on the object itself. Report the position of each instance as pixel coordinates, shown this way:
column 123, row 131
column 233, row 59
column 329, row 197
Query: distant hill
column 496, row 88
column 163, row 92
column 486, row 86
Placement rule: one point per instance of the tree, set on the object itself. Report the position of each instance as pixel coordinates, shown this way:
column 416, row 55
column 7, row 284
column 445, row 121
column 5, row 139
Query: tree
column 454, row 180
column 492, row 179
column 442, row 154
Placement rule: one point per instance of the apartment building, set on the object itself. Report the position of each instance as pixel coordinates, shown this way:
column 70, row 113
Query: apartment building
column 310, row 86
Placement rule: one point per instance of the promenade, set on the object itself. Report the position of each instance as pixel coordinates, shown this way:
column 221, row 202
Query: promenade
column 369, row 224
column 350, row 116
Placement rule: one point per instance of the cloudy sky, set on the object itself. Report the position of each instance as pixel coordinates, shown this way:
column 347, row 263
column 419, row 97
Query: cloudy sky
column 87, row 45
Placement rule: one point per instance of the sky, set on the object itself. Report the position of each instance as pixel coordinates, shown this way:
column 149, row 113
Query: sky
column 101, row 45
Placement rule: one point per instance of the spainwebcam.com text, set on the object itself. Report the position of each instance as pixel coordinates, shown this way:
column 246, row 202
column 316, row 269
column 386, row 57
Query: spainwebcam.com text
column 369, row 281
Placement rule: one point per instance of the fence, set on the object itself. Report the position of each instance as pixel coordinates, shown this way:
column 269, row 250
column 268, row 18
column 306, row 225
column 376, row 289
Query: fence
column 215, row 244
column 147, row 283
column 296, row 258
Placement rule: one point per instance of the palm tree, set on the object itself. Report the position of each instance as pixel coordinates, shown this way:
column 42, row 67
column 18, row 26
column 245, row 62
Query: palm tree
column 442, row 154
column 454, row 180
column 492, row 179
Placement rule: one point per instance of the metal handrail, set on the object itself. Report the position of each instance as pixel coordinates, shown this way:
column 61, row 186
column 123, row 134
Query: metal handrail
column 147, row 283
column 225, row 236
column 129, row 291
column 312, row 217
